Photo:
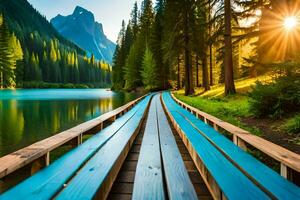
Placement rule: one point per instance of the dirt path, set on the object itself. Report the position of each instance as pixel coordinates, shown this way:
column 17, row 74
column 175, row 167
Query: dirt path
column 272, row 133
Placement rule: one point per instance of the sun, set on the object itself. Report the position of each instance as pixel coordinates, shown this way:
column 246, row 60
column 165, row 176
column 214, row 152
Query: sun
column 290, row 23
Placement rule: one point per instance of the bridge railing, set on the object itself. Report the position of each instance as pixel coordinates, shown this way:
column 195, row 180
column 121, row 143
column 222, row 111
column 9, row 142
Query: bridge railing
column 37, row 155
column 241, row 138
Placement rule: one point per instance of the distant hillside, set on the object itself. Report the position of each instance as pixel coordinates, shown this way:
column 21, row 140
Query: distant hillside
column 44, row 55
column 23, row 19
column 82, row 29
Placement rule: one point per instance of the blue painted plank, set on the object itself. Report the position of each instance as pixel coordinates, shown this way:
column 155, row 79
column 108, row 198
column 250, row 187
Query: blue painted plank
column 233, row 183
column 148, row 182
column 47, row 182
column 91, row 177
column 265, row 176
column 178, row 182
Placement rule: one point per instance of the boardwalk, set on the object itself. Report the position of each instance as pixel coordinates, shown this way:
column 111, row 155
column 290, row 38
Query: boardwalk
column 152, row 148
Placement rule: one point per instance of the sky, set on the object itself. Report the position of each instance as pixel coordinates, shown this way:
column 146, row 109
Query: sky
column 108, row 12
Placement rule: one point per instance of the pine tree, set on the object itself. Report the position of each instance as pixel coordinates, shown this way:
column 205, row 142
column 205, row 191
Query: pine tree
column 132, row 73
column 156, row 45
column 149, row 72
column 10, row 53
column 119, row 60
column 180, row 16
column 134, row 20
column 228, row 61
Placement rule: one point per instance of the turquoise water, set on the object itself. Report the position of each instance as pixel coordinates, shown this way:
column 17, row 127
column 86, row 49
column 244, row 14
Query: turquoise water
column 27, row 116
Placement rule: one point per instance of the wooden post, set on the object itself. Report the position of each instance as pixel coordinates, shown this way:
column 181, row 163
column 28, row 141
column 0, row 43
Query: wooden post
column 235, row 140
column 47, row 159
column 215, row 127
column 205, row 120
column 79, row 139
column 283, row 170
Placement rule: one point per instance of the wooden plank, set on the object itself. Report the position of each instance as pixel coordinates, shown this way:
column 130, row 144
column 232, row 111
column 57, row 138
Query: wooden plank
column 178, row 183
column 289, row 158
column 267, row 179
column 148, row 183
column 22, row 157
column 233, row 183
column 49, row 181
column 95, row 179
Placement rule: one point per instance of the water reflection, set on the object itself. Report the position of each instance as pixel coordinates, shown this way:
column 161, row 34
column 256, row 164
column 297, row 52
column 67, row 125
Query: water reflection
column 25, row 119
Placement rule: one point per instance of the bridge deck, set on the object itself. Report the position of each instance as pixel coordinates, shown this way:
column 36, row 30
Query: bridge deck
column 158, row 154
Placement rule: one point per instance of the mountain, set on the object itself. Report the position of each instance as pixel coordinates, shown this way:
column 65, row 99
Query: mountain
column 27, row 20
column 82, row 29
column 37, row 55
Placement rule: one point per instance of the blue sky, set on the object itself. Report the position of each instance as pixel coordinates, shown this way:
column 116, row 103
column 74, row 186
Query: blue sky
column 109, row 12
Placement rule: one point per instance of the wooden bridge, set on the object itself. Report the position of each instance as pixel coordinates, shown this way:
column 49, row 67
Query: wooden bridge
column 155, row 147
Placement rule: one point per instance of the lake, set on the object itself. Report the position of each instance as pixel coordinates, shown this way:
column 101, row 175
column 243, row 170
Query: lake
column 28, row 116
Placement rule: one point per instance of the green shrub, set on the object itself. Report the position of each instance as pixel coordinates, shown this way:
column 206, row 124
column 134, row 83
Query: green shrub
column 292, row 126
column 276, row 99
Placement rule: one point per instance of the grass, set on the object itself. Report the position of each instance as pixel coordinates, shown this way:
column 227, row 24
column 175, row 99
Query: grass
column 231, row 108
column 292, row 126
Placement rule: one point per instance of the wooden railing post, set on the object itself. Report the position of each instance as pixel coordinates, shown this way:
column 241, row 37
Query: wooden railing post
column 283, row 170
column 235, row 140
column 47, row 159
column 240, row 143
column 216, row 127
column 79, row 138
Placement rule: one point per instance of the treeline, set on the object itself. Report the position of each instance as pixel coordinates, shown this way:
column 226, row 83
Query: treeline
column 188, row 43
column 35, row 59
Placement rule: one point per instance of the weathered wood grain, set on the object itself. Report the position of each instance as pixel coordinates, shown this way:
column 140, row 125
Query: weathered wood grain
column 217, row 172
column 288, row 158
column 50, row 180
column 27, row 155
column 96, row 178
column 266, row 178
column 148, row 183
column 179, row 185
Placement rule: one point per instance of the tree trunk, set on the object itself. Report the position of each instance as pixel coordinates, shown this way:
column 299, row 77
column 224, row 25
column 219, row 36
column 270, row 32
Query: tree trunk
column 205, row 80
column 189, row 88
column 197, row 70
column 1, row 80
column 229, row 78
column 178, row 72
column 211, row 76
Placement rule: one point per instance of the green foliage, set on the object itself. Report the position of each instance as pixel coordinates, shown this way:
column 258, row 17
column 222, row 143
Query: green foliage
column 229, row 109
column 276, row 99
column 131, row 46
column 292, row 125
column 131, row 70
column 33, row 51
column 10, row 53
column 150, row 77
